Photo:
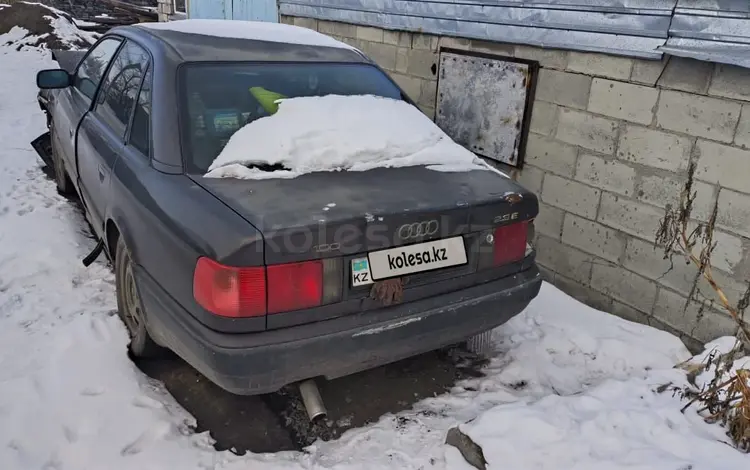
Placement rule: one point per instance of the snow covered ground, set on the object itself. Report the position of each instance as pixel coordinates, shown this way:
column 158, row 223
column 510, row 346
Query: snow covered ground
column 569, row 387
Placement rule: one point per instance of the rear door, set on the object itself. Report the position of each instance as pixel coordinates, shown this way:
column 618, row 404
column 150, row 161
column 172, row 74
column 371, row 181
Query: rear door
column 101, row 138
column 75, row 101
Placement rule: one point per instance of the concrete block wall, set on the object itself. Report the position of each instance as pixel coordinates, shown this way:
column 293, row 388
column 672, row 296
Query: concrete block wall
column 410, row 59
column 609, row 145
column 164, row 9
column 171, row 10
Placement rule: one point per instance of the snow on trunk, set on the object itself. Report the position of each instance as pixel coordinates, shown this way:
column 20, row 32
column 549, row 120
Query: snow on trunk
column 334, row 133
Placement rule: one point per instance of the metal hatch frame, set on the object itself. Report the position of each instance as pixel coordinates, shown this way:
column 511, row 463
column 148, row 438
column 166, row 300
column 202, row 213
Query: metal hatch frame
column 533, row 69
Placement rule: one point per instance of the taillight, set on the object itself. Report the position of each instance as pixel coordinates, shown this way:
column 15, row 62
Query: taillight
column 509, row 244
column 250, row 292
column 228, row 291
column 294, row 286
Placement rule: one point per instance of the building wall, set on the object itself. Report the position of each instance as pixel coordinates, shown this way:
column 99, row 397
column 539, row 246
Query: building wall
column 609, row 145
column 253, row 10
column 165, row 9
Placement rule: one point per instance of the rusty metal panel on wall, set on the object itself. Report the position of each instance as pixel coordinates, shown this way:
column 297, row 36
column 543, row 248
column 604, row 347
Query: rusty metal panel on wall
column 483, row 102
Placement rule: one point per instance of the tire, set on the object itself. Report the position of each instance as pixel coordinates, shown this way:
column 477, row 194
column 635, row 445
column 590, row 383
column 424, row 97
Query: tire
column 481, row 343
column 62, row 180
column 130, row 308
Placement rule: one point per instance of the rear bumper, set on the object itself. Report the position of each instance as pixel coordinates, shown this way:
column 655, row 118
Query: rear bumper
column 255, row 363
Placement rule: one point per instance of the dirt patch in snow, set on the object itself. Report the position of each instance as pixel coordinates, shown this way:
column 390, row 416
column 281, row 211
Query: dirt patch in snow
column 44, row 27
column 278, row 422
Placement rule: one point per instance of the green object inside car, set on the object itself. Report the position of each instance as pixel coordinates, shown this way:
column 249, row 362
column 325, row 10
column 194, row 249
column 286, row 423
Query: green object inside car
column 267, row 98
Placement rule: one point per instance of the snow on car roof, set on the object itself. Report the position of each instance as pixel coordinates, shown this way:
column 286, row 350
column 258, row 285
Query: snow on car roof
column 249, row 30
column 334, row 133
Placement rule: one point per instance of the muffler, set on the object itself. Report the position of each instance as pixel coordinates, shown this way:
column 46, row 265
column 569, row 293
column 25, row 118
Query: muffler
column 312, row 400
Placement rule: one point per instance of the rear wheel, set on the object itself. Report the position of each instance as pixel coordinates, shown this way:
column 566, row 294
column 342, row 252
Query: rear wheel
column 64, row 185
column 130, row 307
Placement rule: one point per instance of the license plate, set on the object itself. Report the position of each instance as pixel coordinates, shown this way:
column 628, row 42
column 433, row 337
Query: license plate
column 416, row 258
column 361, row 272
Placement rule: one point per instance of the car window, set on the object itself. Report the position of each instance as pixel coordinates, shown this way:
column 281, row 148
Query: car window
column 92, row 68
column 120, row 89
column 218, row 99
column 140, row 129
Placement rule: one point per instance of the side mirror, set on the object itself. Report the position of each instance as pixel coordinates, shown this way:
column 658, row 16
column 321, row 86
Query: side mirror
column 57, row 78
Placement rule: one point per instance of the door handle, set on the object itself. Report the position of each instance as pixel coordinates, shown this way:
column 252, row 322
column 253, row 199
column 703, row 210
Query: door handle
column 102, row 174
column 70, row 131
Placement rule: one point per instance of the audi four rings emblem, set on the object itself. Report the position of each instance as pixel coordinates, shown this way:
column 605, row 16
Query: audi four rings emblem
column 418, row 229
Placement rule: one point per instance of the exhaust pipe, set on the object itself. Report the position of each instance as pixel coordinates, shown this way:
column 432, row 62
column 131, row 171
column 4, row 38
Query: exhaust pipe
column 312, row 400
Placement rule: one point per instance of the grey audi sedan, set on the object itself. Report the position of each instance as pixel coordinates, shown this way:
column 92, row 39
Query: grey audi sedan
column 252, row 281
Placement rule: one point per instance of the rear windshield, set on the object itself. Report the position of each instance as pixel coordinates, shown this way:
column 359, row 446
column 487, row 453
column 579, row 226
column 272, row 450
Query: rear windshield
column 218, row 99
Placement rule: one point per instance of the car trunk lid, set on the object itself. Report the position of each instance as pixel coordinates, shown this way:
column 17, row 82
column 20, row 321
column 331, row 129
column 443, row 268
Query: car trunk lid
column 326, row 214
column 389, row 213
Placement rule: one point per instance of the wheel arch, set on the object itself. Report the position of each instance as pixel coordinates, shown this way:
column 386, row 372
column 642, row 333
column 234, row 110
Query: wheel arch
column 112, row 234
column 114, row 229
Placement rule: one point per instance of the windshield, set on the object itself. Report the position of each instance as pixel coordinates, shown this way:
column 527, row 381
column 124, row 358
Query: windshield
column 219, row 99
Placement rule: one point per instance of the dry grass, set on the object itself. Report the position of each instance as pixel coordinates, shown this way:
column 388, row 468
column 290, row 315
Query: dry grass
column 726, row 398
column 729, row 403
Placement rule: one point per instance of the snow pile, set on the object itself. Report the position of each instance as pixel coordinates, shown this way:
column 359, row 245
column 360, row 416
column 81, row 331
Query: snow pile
column 573, row 351
column 615, row 425
column 252, row 30
column 333, row 133
column 33, row 24
column 591, row 399
column 569, row 387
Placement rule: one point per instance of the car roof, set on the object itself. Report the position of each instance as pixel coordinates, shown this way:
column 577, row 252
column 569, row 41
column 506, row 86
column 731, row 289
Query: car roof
column 234, row 40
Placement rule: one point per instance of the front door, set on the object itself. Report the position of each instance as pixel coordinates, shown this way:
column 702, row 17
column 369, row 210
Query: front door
column 75, row 101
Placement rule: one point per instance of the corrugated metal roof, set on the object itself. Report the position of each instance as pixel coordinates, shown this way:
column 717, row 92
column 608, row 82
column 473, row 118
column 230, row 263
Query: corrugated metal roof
column 716, row 30
column 712, row 30
column 723, row 6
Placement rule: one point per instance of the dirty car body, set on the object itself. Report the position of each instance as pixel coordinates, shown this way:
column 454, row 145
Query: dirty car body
column 253, row 282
